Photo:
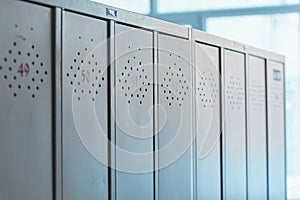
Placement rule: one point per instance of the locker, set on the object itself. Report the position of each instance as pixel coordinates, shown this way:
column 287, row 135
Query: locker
column 175, row 118
column 208, row 122
column 84, row 100
column 176, row 131
column 134, row 121
column 276, row 130
column 256, row 129
column 25, row 101
column 234, row 138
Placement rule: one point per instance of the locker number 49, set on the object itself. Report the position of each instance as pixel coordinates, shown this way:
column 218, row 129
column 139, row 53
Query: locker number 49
column 24, row 69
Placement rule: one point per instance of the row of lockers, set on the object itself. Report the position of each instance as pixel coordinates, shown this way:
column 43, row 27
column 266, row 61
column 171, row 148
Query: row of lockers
column 122, row 106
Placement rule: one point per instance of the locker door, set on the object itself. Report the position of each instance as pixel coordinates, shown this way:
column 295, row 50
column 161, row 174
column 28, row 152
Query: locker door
column 208, row 127
column 25, row 102
column 85, row 175
column 256, row 129
column 134, row 111
column 175, row 118
column 234, row 138
column 276, row 131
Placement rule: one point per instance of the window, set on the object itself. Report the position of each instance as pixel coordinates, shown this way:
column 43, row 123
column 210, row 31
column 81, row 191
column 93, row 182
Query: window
column 192, row 5
column 279, row 33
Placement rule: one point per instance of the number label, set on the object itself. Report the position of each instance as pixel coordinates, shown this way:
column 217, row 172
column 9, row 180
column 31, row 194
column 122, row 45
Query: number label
column 24, row 69
column 85, row 75
column 134, row 81
column 175, row 86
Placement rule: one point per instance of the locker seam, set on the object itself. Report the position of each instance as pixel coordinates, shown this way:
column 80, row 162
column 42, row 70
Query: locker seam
column 246, row 68
column 267, row 129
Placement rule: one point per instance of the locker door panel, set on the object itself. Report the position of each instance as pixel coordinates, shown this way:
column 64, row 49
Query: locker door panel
column 134, row 113
column 85, row 175
column 256, row 129
column 234, row 138
column 276, row 131
column 175, row 118
column 208, row 122
column 25, row 102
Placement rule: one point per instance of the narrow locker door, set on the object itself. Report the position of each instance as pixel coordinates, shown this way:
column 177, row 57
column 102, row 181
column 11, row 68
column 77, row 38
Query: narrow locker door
column 256, row 129
column 25, row 101
column 234, row 137
column 85, row 175
column 175, row 118
column 208, row 125
column 134, row 113
column 276, row 131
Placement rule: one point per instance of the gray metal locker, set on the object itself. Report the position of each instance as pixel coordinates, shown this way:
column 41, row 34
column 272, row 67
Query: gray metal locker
column 256, row 129
column 208, row 125
column 175, row 118
column 234, row 136
column 73, row 104
column 84, row 86
column 25, row 101
column 276, row 130
column 134, row 113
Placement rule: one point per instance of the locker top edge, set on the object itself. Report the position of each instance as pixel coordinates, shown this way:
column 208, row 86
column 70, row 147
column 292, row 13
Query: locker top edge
column 87, row 7
column 203, row 37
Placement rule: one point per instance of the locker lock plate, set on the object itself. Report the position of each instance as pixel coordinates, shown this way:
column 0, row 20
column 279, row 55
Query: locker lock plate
column 111, row 12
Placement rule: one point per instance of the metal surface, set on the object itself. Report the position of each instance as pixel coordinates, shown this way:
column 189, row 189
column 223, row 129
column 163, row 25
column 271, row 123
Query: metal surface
column 84, row 83
column 175, row 118
column 208, row 125
column 234, row 138
column 134, row 101
column 25, row 102
column 276, row 131
column 256, row 129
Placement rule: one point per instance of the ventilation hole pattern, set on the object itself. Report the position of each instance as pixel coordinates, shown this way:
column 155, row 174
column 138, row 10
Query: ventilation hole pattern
column 257, row 95
column 235, row 92
column 173, row 83
column 133, row 78
column 207, row 89
column 22, row 66
column 85, row 74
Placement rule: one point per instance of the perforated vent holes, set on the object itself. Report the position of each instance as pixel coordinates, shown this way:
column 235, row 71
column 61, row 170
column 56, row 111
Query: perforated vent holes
column 85, row 74
column 277, row 100
column 174, row 85
column 22, row 66
column 207, row 88
column 235, row 92
column 257, row 95
column 134, row 77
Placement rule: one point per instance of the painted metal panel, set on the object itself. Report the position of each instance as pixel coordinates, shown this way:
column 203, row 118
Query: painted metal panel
column 134, row 113
column 208, row 125
column 25, row 102
column 256, row 129
column 175, row 119
column 234, row 138
column 276, row 131
column 84, row 79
